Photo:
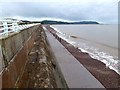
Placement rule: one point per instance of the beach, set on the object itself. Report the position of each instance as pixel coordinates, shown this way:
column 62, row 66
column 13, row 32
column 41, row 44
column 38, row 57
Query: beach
column 109, row 78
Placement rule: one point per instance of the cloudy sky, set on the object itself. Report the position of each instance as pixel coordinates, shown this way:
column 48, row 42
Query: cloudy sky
column 105, row 11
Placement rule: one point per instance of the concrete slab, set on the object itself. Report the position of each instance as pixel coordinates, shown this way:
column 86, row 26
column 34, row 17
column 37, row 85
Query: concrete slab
column 75, row 74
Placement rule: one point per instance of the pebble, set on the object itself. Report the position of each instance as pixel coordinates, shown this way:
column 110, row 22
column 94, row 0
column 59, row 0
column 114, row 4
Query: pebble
column 45, row 86
column 38, row 76
column 35, row 84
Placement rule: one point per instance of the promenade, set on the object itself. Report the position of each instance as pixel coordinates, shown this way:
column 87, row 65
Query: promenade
column 75, row 74
column 35, row 58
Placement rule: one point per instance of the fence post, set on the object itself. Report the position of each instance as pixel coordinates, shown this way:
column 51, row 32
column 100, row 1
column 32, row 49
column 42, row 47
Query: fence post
column 5, row 26
column 15, row 26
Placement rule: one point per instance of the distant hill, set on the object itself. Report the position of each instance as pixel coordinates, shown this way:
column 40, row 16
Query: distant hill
column 62, row 22
column 22, row 22
column 52, row 22
column 57, row 22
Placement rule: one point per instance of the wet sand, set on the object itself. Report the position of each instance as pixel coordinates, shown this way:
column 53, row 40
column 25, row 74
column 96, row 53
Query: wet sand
column 109, row 78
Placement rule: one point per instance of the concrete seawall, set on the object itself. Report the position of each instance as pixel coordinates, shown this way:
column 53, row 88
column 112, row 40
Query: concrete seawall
column 13, row 55
column 54, row 63
column 18, row 51
column 73, row 72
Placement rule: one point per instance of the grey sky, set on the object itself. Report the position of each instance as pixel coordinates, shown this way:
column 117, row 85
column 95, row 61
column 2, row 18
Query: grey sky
column 105, row 11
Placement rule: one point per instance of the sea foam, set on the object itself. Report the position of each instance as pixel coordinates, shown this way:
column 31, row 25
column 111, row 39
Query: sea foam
column 94, row 52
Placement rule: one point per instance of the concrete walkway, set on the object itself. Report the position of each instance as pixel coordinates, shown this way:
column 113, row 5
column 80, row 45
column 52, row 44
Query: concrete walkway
column 75, row 74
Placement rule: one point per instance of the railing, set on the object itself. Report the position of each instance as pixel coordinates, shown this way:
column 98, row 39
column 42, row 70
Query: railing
column 10, row 26
column 12, row 39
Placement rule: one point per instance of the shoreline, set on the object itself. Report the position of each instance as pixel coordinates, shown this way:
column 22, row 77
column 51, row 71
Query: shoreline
column 108, row 77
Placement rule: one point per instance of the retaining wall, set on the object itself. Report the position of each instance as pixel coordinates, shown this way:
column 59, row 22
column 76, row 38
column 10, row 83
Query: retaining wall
column 14, row 51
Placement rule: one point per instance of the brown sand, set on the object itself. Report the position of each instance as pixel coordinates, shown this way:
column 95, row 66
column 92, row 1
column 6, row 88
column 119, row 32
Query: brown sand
column 109, row 78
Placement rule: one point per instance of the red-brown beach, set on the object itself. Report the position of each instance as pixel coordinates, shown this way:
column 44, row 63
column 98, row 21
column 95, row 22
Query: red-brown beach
column 109, row 78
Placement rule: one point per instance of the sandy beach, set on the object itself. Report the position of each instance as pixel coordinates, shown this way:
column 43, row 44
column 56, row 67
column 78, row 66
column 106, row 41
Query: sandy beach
column 109, row 78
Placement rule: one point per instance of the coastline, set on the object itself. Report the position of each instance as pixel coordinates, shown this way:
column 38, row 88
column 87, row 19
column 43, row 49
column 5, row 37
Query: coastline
column 99, row 50
column 108, row 77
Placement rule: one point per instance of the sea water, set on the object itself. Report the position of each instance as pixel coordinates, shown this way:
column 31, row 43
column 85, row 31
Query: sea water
column 99, row 41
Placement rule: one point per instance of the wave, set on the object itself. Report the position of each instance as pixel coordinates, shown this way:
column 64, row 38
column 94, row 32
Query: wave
column 95, row 53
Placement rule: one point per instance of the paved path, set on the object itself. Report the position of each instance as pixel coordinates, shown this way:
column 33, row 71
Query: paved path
column 75, row 74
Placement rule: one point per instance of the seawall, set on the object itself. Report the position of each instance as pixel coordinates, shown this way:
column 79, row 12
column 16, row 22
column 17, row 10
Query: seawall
column 34, row 58
column 14, row 55
column 27, row 61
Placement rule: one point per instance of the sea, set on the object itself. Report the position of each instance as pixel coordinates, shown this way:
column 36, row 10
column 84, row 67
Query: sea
column 98, row 40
